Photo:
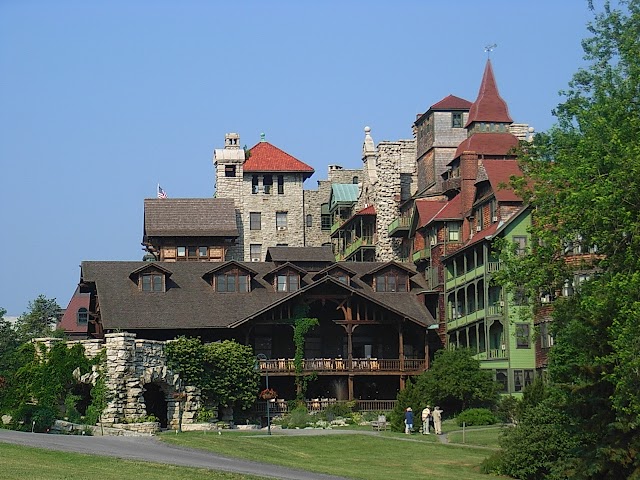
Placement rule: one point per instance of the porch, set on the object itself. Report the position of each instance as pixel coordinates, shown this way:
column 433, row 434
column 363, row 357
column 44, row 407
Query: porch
column 333, row 366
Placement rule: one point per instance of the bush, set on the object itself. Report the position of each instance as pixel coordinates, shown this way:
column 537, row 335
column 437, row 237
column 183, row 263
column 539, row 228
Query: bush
column 298, row 418
column 39, row 418
column 507, row 409
column 476, row 416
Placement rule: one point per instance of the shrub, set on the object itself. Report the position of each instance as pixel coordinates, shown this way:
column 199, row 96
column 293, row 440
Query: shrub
column 36, row 417
column 298, row 418
column 507, row 409
column 476, row 416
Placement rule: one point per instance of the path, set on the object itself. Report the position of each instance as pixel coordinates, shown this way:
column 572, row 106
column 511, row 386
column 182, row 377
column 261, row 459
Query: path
column 150, row 449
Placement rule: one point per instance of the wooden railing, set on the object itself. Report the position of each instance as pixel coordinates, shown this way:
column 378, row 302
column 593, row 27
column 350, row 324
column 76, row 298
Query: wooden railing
column 285, row 365
column 280, row 406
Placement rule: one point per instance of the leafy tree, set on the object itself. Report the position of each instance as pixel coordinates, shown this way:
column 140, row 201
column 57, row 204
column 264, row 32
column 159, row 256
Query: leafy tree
column 224, row 371
column 9, row 359
column 301, row 326
column 454, row 382
column 583, row 180
column 40, row 320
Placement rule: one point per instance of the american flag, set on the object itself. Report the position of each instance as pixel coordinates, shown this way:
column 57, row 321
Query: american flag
column 161, row 192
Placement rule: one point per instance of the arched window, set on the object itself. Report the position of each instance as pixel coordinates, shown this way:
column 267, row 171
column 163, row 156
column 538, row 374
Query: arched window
column 309, row 220
column 82, row 316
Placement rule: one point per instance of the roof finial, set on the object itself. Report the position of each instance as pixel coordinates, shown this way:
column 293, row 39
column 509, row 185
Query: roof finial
column 489, row 49
column 262, row 135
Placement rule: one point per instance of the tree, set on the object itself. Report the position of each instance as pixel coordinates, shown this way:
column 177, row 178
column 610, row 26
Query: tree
column 224, row 371
column 582, row 179
column 40, row 320
column 454, row 382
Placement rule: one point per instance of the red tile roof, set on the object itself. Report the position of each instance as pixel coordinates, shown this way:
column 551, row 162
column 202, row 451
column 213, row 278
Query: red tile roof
column 267, row 158
column 489, row 106
column 452, row 211
column 427, row 209
column 451, row 102
column 488, row 144
column 499, row 172
column 370, row 210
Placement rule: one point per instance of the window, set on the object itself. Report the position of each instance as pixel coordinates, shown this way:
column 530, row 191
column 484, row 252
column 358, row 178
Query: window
column 456, row 120
column 287, row 281
column 522, row 335
column 528, row 377
column 546, row 339
column 192, row 252
column 267, row 183
column 152, row 282
column 229, row 170
column 520, row 296
column 521, row 245
column 518, row 380
column 182, row 252
column 203, row 252
column 354, row 180
column 254, row 184
column 492, row 211
column 454, row 231
column 325, row 217
column 281, row 220
column 255, row 250
column 280, row 184
column 255, row 220
column 82, row 316
column 503, row 380
column 232, row 281
column 392, row 281
column 309, row 220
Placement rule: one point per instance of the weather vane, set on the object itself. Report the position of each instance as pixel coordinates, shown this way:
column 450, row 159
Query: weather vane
column 489, row 49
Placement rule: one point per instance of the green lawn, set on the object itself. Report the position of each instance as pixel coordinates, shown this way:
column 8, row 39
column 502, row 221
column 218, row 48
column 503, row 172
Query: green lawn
column 391, row 455
column 484, row 436
column 20, row 463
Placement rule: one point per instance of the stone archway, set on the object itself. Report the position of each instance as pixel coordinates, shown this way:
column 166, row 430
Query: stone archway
column 156, row 402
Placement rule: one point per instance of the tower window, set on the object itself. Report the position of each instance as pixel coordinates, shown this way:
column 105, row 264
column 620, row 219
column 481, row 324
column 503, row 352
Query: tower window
column 254, row 184
column 255, row 221
column 229, row 170
column 280, row 184
column 456, row 120
column 267, row 183
column 309, row 220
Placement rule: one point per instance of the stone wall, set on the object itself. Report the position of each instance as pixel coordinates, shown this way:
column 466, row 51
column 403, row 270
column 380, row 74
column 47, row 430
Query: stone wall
column 132, row 365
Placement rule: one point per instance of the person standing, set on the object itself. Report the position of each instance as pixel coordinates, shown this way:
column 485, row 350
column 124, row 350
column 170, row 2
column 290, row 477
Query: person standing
column 437, row 420
column 408, row 421
column 426, row 418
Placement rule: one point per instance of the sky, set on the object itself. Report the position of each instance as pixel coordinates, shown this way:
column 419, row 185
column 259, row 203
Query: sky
column 102, row 101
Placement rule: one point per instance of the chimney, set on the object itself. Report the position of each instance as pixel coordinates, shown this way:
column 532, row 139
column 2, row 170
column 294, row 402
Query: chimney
column 468, row 174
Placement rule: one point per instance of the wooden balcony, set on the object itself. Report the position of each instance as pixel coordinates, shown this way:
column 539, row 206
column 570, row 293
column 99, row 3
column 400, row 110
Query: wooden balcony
column 338, row 366
column 280, row 406
column 359, row 243
column 421, row 255
column 452, row 184
column 399, row 227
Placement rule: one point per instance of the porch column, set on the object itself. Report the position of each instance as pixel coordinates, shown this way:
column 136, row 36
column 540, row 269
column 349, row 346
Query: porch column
column 426, row 349
column 349, row 345
column 401, row 347
column 403, row 382
column 350, row 383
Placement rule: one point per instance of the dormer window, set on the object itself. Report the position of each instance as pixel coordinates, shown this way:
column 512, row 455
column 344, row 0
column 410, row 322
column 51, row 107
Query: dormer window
column 233, row 280
column 391, row 281
column 287, row 281
column 152, row 282
column 82, row 316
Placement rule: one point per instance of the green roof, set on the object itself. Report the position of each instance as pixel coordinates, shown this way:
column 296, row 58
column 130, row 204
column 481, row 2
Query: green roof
column 343, row 193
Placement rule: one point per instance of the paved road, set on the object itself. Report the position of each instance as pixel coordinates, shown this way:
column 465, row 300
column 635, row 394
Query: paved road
column 151, row 450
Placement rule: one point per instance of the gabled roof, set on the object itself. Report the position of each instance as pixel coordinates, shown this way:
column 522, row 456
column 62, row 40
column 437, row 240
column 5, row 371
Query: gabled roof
column 300, row 254
column 369, row 210
column 189, row 217
column 332, row 268
column 230, row 263
column 286, row 265
column 343, row 193
column 451, row 211
column 427, row 210
column 192, row 303
column 488, row 144
column 451, row 102
column 489, row 106
column 267, row 158
column 499, row 173
column 384, row 265
column 151, row 266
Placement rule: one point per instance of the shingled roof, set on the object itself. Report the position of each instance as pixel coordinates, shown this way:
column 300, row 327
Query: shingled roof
column 190, row 302
column 451, row 102
column 488, row 144
column 189, row 217
column 268, row 158
column 300, row 254
column 489, row 106
column 499, row 173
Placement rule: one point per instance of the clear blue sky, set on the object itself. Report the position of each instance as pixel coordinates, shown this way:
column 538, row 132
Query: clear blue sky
column 100, row 101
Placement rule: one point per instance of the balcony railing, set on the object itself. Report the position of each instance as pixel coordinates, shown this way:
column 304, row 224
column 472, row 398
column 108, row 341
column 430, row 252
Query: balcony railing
column 339, row 365
column 451, row 184
column 421, row 255
column 360, row 242
column 399, row 227
column 494, row 267
column 280, row 405
column 336, row 226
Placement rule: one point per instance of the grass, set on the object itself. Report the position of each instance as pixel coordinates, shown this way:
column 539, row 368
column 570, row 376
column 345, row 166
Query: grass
column 390, row 455
column 484, row 436
column 18, row 462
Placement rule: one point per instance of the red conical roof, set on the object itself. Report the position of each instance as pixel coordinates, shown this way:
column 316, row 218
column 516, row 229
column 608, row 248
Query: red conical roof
column 489, row 106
